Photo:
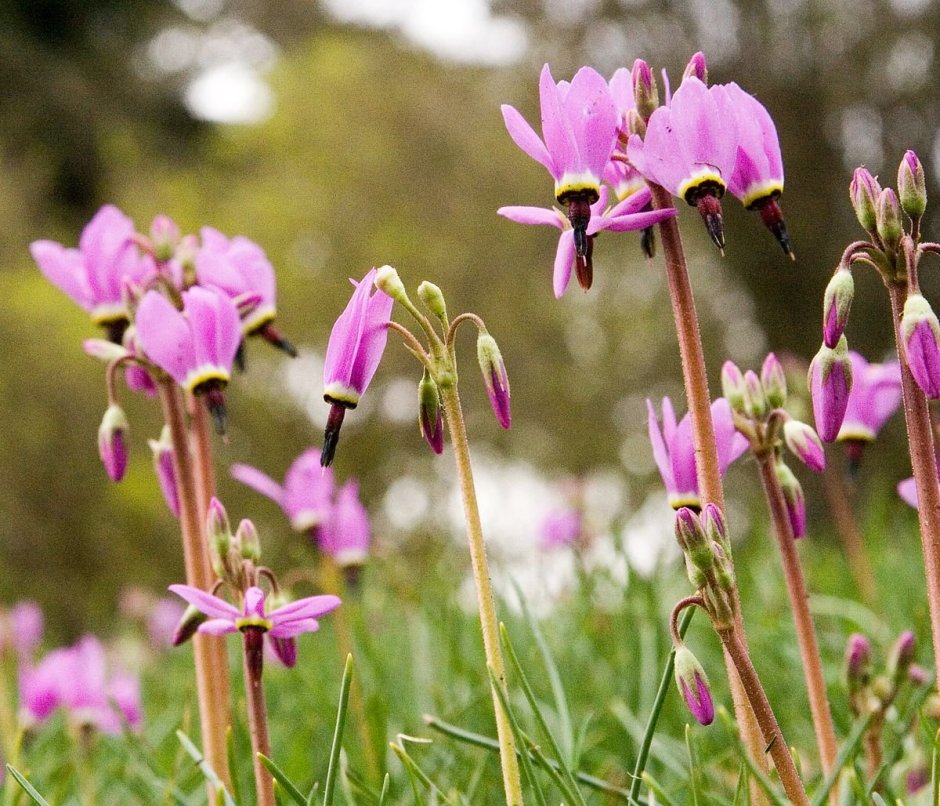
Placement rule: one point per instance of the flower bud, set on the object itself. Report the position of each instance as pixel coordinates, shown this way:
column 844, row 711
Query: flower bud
column 696, row 67
column 830, row 380
column 387, row 280
column 645, row 93
column 693, row 685
column 918, row 675
column 716, row 528
column 430, row 420
column 774, row 381
column 186, row 253
column 217, row 526
column 920, row 332
column 104, row 350
column 890, row 228
column 691, row 536
column 246, row 538
column 864, row 191
column 857, row 662
column 793, row 496
column 837, row 302
column 433, row 299
column 912, row 190
column 112, row 442
column 804, row 443
column 165, row 236
column 188, row 624
column 494, row 376
column 163, row 466
column 732, row 386
column 901, row 656
column 755, row 402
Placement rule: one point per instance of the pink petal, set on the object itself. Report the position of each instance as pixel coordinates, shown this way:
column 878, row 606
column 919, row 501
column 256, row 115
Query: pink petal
column 308, row 607
column 704, row 136
column 165, row 336
column 907, row 489
column 525, row 137
column 292, row 629
column 564, row 263
column 634, row 203
column 212, row 606
column 217, row 626
column 559, row 140
column 65, row 269
column 215, row 325
column 634, row 221
column 594, row 119
column 660, row 452
column 533, row 215
column 259, row 482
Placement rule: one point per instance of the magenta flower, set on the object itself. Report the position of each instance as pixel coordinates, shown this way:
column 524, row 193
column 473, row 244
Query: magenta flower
column 793, row 498
column 690, row 148
column 306, row 494
column 346, row 533
column 24, row 627
column 874, row 397
column 93, row 274
column 112, row 442
column 804, row 443
column 920, row 331
column 355, row 348
column 830, row 381
column 287, row 621
column 580, row 123
column 560, row 527
column 165, row 471
column 626, row 215
column 693, row 685
column 674, row 451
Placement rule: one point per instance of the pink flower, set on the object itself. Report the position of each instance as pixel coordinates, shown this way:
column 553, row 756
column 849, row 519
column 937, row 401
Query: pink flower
column 355, row 348
column 112, row 442
column 346, row 533
column 830, row 381
column 306, row 494
column 693, row 685
column 284, row 622
column 92, row 275
column 674, row 451
column 626, row 215
column 875, row 395
column 560, row 527
column 165, row 471
column 920, row 331
column 23, row 628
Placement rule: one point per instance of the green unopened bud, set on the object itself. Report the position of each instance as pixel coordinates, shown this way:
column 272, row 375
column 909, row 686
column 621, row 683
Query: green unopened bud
column 494, row 377
column 774, row 381
column 218, row 531
column 718, row 605
column 634, row 124
column 837, row 303
column 864, row 191
column 693, row 685
column 430, row 419
column 716, row 528
column 901, row 657
column 112, row 441
column 755, row 402
column 696, row 576
column 889, row 225
column 692, row 538
column 246, row 538
column 188, row 624
column 912, row 191
column 793, row 498
column 645, row 93
column 732, row 386
column 387, row 280
column 433, row 299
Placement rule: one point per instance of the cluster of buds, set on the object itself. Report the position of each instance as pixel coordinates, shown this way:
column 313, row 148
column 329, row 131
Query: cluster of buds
column 757, row 402
column 706, row 547
column 873, row 693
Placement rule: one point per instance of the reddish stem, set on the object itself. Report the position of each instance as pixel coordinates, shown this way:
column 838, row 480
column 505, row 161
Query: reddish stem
column 257, row 713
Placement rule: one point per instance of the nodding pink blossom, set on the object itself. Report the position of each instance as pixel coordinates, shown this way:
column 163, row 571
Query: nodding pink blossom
column 561, row 527
column 93, row 274
column 920, row 332
column 353, row 352
column 830, row 381
column 580, row 125
column 874, row 397
column 76, row 679
column 346, row 533
column 306, row 494
column 623, row 216
column 165, row 471
column 674, row 451
column 693, row 685
column 690, row 148
column 284, row 622
column 112, row 442
column 241, row 268
column 195, row 346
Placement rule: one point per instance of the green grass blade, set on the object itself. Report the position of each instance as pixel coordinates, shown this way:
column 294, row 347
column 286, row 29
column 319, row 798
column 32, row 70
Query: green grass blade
column 383, row 795
column 415, row 772
column 664, row 683
column 660, row 793
column 570, row 787
column 848, row 750
column 741, row 789
column 312, row 794
column 281, row 777
column 28, row 788
column 333, row 769
column 208, row 773
column 694, row 775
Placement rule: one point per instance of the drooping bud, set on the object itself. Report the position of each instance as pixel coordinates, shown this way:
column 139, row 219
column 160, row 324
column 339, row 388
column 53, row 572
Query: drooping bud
column 920, row 332
column 691, row 536
column 104, row 350
column 912, row 191
column 188, row 624
column 112, row 441
column 693, row 685
column 716, row 528
column 793, row 497
column 857, row 662
column 186, row 253
column 387, row 280
column 217, row 524
column 634, row 124
column 163, row 467
column 697, row 68
column 804, row 443
column 864, row 191
column 901, row 656
column 164, row 236
column 495, row 377
column 732, row 386
column 246, row 538
column 889, row 225
column 830, row 380
column 645, row 93
column 433, row 299
column 755, row 402
column 774, row 381
column 430, row 419
column 837, row 303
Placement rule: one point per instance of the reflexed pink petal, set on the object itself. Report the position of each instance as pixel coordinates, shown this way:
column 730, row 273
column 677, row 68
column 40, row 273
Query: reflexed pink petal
column 594, row 120
column 635, row 221
column 215, row 324
column 703, row 135
column 308, row 490
column 253, row 605
column 660, row 452
column 564, row 263
column 345, row 534
column 212, row 606
column 634, row 203
column 731, row 444
column 217, row 626
column 165, row 336
column 533, row 215
column 621, row 90
column 559, row 140
column 309, row 607
column 65, row 269
column 292, row 629
column 525, row 137
column 259, row 482
column 907, row 489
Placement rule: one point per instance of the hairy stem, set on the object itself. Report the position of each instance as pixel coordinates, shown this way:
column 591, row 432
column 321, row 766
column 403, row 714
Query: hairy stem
column 481, row 575
column 257, row 713
column 805, row 631
column 208, row 651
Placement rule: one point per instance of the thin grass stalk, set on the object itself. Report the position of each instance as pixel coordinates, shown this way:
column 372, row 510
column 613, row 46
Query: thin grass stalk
column 803, row 620
column 488, row 622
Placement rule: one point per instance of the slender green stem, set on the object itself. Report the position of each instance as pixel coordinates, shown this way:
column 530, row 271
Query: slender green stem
column 664, row 683
column 257, row 714
column 485, row 601
column 803, row 620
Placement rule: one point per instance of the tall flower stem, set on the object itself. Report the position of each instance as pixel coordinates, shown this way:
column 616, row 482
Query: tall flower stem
column 839, row 497
column 481, row 575
column 698, row 397
column 212, row 679
column 257, row 713
column 202, row 454
column 924, row 464
column 799, row 603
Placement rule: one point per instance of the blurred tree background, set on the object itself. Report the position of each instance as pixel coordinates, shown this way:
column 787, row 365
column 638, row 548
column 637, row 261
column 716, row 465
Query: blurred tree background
column 344, row 135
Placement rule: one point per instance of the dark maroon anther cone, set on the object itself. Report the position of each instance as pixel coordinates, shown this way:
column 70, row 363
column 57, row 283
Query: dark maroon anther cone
column 772, row 216
column 114, row 330
column 352, row 577
column 709, row 208
column 579, row 214
column 648, row 242
column 331, row 436
column 239, row 360
column 254, row 650
column 854, row 449
column 584, row 265
column 273, row 336
column 215, row 402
